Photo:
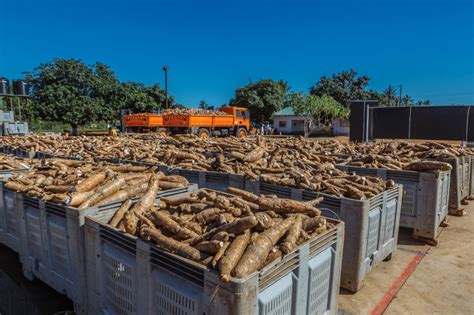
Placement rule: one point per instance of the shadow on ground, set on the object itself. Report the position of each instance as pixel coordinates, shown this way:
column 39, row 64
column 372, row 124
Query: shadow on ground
column 20, row 296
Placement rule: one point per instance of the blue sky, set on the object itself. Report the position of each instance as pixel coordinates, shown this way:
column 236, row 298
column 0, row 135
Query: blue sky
column 213, row 47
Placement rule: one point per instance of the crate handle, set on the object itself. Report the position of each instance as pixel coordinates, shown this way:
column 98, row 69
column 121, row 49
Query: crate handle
column 334, row 213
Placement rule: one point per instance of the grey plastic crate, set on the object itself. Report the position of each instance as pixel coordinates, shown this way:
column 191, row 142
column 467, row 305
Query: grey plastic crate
column 6, row 174
column 52, row 243
column 466, row 175
column 371, row 226
column 127, row 275
column 211, row 180
column 7, row 149
column 425, row 197
column 24, row 153
column 161, row 167
column 471, row 180
column 460, row 181
column 44, row 155
column 9, row 219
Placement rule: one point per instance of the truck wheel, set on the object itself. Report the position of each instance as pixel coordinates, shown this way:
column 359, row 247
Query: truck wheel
column 203, row 133
column 241, row 133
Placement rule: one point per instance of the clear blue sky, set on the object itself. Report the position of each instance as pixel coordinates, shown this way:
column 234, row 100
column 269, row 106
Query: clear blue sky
column 214, row 47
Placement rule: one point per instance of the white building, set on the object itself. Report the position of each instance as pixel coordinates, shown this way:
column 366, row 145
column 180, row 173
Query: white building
column 287, row 122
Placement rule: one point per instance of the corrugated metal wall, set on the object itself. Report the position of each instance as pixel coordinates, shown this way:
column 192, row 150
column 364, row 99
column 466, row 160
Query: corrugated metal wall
column 434, row 122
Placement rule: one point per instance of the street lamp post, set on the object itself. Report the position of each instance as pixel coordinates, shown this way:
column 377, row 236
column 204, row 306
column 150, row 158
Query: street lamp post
column 165, row 69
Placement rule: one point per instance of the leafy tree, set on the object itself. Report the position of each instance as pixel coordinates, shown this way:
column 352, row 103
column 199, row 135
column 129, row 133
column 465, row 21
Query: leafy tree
column 317, row 111
column 105, row 91
column 181, row 106
column 69, row 91
column 343, row 87
column 132, row 95
column 159, row 96
column 390, row 96
column 424, row 103
column 262, row 98
column 139, row 98
column 407, row 101
column 202, row 104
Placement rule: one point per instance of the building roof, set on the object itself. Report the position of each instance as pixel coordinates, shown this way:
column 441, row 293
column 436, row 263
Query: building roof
column 288, row 111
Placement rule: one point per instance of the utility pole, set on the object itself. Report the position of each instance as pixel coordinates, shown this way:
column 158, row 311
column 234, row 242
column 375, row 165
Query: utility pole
column 400, row 101
column 165, row 69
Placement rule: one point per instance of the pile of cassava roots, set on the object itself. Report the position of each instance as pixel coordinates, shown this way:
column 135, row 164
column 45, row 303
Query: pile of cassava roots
column 236, row 233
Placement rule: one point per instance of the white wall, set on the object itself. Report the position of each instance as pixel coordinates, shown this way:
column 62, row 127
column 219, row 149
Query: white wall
column 277, row 125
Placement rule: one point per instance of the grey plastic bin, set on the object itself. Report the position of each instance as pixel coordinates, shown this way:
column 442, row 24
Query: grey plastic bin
column 127, row 275
column 211, row 180
column 471, row 180
column 460, row 181
column 371, row 226
column 425, row 197
column 24, row 153
column 6, row 174
column 7, row 149
column 161, row 167
column 9, row 219
column 52, row 243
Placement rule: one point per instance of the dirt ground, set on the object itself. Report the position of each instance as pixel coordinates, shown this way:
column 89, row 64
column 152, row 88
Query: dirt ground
column 442, row 281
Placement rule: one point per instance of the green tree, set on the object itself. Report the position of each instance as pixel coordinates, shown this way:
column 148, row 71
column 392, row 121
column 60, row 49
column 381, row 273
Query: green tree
column 262, row 98
column 132, row 95
column 343, row 87
column 104, row 91
column 407, row 101
column 390, row 96
column 69, row 91
column 180, row 106
column 317, row 111
column 139, row 98
column 202, row 104
column 159, row 96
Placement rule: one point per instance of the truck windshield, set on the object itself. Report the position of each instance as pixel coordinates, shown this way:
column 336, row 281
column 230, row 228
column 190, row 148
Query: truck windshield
column 238, row 113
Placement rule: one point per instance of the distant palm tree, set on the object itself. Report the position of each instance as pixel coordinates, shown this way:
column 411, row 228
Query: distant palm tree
column 390, row 96
column 407, row 101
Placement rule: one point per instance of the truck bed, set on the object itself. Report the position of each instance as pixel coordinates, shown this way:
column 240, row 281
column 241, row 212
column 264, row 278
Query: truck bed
column 190, row 121
column 144, row 120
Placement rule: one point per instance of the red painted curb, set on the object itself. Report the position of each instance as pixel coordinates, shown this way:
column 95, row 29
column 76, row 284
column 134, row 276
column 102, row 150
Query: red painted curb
column 397, row 285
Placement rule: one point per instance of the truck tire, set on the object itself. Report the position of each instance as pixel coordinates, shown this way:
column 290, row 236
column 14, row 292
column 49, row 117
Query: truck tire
column 203, row 133
column 241, row 133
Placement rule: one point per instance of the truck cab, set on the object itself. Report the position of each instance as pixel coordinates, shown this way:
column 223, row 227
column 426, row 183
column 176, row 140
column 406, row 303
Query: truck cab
column 241, row 114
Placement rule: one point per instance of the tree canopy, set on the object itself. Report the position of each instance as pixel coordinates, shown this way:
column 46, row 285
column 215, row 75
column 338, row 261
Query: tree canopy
column 343, row 87
column 318, row 111
column 72, row 92
column 139, row 98
column 262, row 98
column 349, row 85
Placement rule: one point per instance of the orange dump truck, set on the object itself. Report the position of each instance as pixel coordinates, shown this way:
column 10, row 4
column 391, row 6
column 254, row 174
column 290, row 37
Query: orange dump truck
column 145, row 122
column 229, row 121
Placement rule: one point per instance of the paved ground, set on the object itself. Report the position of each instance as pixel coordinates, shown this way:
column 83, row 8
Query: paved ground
column 440, row 279
column 19, row 296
